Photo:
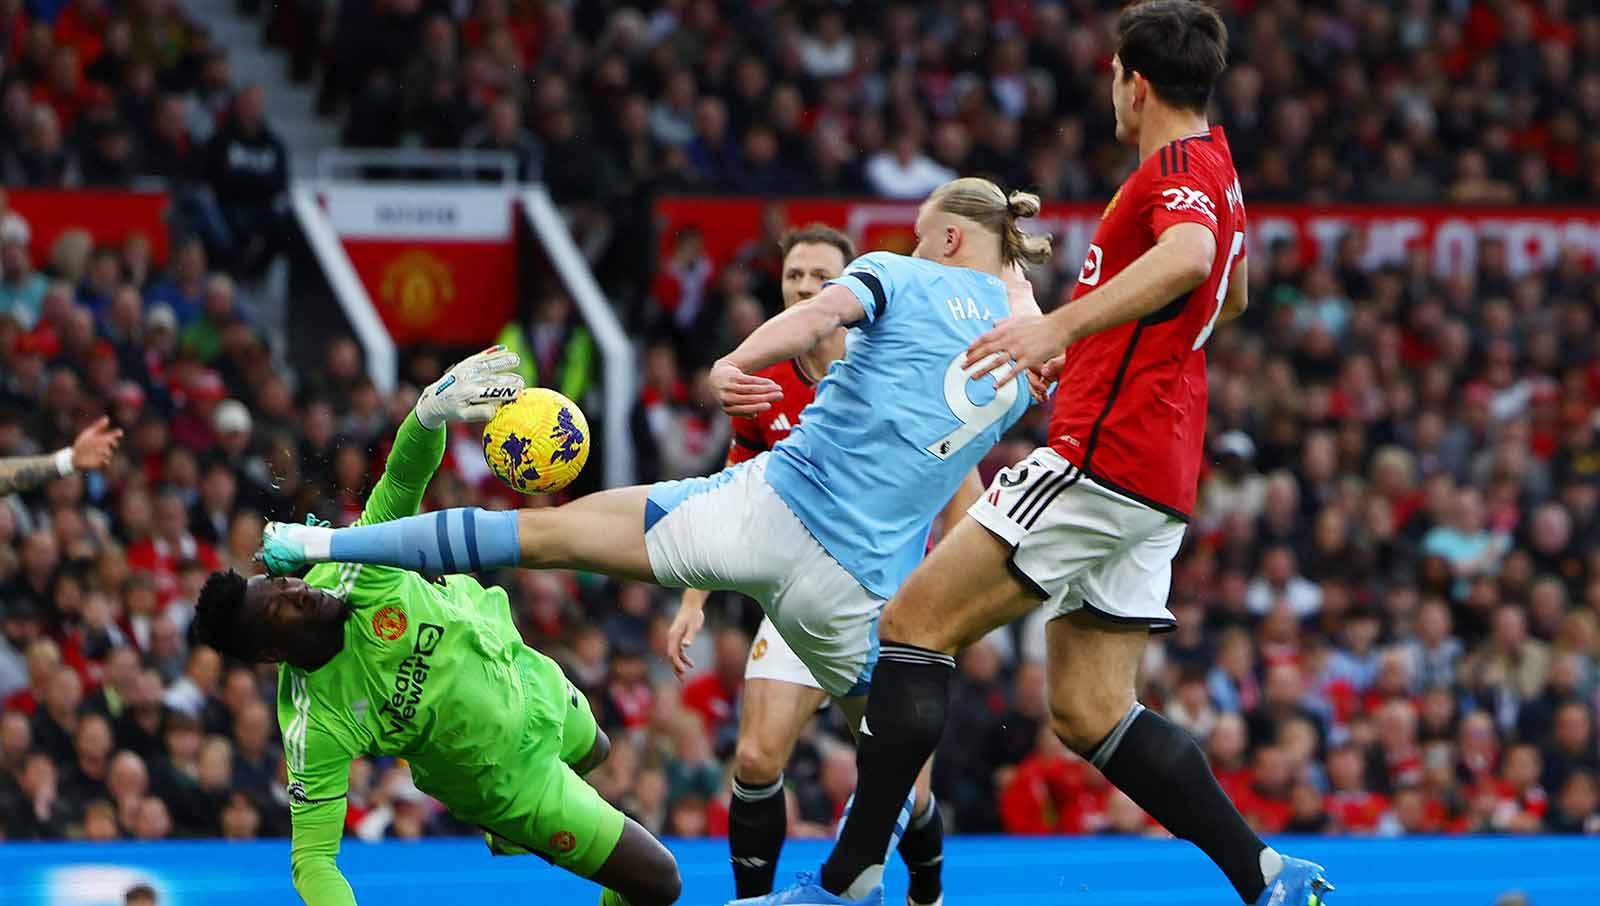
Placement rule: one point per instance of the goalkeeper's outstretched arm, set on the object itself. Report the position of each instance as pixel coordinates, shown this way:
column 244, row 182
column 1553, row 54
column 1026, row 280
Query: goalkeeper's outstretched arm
column 470, row 391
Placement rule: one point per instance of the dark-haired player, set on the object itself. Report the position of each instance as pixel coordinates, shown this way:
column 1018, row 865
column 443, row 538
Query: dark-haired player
column 380, row 661
column 1089, row 525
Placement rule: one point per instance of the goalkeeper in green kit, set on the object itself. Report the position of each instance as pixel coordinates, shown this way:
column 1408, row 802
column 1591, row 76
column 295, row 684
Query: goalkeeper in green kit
column 382, row 661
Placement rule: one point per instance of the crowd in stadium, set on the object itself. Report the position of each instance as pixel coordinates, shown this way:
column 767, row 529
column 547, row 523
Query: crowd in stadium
column 1389, row 599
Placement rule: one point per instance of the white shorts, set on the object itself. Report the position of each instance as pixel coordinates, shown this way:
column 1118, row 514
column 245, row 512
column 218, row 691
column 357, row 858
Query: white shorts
column 1079, row 545
column 771, row 658
column 732, row 531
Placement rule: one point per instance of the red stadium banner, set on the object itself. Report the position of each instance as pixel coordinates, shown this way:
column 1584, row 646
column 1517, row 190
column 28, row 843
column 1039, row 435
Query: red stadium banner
column 438, row 263
column 1534, row 235
column 109, row 216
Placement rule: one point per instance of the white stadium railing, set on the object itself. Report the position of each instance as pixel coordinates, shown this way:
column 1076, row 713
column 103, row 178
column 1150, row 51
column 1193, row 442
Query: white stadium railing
column 344, row 167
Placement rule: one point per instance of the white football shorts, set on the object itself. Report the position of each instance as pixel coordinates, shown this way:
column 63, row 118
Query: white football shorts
column 732, row 531
column 1079, row 545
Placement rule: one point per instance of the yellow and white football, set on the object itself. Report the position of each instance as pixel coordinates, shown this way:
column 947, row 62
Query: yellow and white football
column 538, row 442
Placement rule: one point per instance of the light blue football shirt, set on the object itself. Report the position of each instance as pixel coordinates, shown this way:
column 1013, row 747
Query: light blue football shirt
column 896, row 424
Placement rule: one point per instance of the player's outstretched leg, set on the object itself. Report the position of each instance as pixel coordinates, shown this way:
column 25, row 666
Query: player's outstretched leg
column 602, row 532
column 1094, row 665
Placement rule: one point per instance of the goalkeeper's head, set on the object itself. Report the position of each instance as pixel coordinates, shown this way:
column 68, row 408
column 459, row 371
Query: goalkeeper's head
column 269, row 619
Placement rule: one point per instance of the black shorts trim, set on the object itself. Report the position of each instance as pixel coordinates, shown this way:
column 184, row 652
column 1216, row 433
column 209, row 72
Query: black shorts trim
column 1027, row 581
column 1140, row 499
column 1156, row 625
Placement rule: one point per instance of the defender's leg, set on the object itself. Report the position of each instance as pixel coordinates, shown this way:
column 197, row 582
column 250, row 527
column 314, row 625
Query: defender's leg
column 773, row 715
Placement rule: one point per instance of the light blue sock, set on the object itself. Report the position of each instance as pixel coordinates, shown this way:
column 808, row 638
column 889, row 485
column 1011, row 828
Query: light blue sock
column 901, row 821
column 459, row 540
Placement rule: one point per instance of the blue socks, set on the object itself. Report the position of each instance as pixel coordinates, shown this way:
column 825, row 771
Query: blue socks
column 459, row 540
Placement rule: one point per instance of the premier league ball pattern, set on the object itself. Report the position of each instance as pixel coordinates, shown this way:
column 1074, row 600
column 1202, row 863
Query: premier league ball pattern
column 538, row 442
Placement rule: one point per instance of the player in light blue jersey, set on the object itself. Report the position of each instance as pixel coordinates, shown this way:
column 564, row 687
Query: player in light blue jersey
column 824, row 528
column 896, row 424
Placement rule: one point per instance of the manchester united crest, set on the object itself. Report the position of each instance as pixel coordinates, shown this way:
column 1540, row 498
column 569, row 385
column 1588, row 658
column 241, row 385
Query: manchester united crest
column 389, row 623
column 416, row 284
column 562, row 842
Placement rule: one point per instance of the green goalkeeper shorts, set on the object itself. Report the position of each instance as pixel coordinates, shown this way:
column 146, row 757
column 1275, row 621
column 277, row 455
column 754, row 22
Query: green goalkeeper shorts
column 550, row 811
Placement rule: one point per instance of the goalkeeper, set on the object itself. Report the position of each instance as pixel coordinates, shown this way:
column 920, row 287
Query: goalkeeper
column 380, row 661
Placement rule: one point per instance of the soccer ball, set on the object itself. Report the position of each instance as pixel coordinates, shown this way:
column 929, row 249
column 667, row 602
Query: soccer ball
column 538, row 442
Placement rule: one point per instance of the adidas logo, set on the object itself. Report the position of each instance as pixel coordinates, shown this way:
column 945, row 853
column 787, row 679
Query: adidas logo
column 750, row 861
column 781, row 423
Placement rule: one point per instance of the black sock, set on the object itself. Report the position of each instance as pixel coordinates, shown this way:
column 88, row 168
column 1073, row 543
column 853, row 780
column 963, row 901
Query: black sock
column 904, row 719
column 922, row 848
column 758, row 820
column 1159, row 766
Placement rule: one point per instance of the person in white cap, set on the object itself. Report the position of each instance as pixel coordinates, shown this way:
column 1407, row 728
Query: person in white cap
column 1234, row 486
column 22, row 288
column 91, row 449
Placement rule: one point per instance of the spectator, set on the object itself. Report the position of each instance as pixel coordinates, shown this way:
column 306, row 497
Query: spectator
column 202, row 339
column 1465, row 543
column 36, row 810
column 198, row 684
column 1434, row 651
column 902, row 170
column 1577, row 808
column 22, row 288
column 241, row 819
column 41, row 158
column 1280, row 582
column 1235, row 489
column 255, row 766
column 1571, row 746
column 57, row 716
column 828, row 52
column 86, row 779
column 1283, row 700
column 151, row 820
column 502, row 131
column 182, row 289
column 247, row 166
column 19, row 629
column 1509, row 664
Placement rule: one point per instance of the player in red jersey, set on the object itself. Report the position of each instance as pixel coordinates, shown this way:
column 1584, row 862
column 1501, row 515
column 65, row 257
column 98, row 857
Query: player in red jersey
column 780, row 695
column 1089, row 524
column 795, row 379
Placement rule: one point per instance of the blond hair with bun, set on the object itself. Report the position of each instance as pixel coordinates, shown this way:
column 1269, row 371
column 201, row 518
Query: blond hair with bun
column 985, row 204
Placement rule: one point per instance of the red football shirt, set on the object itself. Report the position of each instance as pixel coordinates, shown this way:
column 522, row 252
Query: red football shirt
column 1131, row 409
column 759, row 434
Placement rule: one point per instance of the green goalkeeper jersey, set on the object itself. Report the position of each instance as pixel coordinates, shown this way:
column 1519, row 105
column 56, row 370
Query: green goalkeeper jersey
column 431, row 671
